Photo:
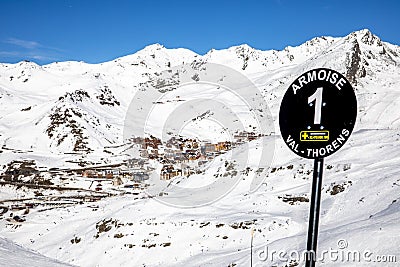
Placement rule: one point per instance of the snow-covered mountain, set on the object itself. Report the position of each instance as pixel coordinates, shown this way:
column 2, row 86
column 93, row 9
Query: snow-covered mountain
column 79, row 107
column 71, row 114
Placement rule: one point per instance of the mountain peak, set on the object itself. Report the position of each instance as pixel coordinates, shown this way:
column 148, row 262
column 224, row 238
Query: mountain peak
column 243, row 46
column 363, row 32
column 365, row 36
column 153, row 47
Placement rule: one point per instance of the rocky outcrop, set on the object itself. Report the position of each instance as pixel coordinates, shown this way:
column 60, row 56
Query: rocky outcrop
column 355, row 68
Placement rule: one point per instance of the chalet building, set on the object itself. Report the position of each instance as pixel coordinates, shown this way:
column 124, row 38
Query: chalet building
column 144, row 153
column 191, row 144
column 246, row 136
column 109, row 174
column 187, row 171
column 151, row 142
column 168, row 172
column 152, row 153
column 89, row 174
column 100, row 173
column 140, row 176
column 117, row 181
column 180, row 157
column 170, row 153
column 135, row 162
column 192, row 154
column 223, row 146
column 207, row 147
column 138, row 140
column 175, row 142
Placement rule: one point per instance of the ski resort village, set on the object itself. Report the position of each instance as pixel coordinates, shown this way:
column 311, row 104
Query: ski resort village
column 177, row 157
column 166, row 157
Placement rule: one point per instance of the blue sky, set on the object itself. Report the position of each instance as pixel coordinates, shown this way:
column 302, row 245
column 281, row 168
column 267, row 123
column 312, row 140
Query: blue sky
column 44, row 31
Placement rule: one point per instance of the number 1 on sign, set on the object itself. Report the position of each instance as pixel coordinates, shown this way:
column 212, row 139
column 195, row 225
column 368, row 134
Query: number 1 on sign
column 317, row 96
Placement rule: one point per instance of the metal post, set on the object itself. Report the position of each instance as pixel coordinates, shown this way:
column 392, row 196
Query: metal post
column 314, row 213
column 251, row 247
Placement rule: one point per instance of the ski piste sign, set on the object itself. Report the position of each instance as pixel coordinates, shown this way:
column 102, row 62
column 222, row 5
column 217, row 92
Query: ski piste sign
column 318, row 113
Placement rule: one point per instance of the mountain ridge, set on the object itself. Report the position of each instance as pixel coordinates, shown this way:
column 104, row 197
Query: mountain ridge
column 108, row 86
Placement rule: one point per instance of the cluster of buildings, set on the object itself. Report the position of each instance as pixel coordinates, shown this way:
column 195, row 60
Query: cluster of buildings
column 135, row 170
column 185, row 156
column 179, row 156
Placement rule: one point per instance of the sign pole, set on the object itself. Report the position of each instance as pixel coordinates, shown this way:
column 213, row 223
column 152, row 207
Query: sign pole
column 314, row 213
column 316, row 118
column 251, row 247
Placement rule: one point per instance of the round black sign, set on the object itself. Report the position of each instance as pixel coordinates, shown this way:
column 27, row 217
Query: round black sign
column 317, row 113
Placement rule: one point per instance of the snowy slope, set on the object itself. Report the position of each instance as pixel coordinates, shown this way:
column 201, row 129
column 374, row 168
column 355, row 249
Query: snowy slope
column 69, row 111
column 14, row 255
